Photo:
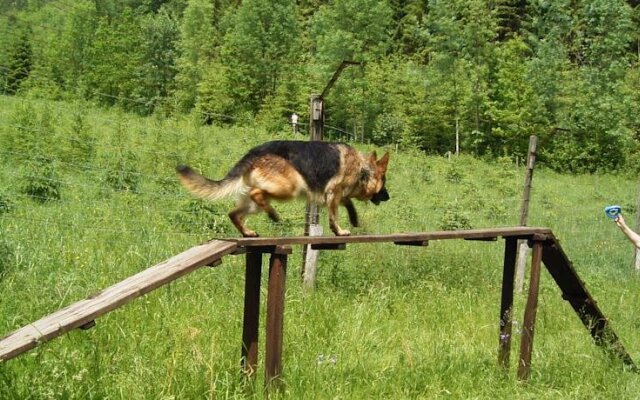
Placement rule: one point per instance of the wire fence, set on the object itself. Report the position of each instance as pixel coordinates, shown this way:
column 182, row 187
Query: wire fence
column 159, row 217
column 84, row 185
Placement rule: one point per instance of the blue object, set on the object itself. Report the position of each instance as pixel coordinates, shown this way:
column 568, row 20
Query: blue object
column 612, row 211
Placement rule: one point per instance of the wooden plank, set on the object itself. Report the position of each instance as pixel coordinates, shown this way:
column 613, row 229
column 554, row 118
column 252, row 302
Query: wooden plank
column 83, row 312
column 471, row 234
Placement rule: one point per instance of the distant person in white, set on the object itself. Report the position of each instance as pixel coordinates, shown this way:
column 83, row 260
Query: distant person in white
column 294, row 122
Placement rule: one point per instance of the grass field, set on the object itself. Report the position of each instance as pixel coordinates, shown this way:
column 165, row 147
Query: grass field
column 88, row 197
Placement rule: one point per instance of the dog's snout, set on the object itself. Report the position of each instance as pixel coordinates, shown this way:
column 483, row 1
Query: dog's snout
column 381, row 196
column 384, row 195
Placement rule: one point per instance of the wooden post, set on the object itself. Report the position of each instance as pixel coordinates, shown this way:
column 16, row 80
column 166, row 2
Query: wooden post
column 311, row 258
column 528, row 324
column 524, row 212
column 275, row 316
column 506, row 303
column 251, row 321
column 311, row 222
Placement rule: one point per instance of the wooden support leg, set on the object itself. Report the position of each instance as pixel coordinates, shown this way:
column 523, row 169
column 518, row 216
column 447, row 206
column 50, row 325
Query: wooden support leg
column 275, row 318
column 526, row 344
column 251, row 322
column 506, row 303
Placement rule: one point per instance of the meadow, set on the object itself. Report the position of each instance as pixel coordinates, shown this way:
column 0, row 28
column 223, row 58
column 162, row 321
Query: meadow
column 89, row 197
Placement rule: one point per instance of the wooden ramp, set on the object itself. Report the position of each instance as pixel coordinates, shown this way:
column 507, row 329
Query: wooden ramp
column 575, row 292
column 83, row 313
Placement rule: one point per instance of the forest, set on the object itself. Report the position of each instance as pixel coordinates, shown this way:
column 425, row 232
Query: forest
column 489, row 72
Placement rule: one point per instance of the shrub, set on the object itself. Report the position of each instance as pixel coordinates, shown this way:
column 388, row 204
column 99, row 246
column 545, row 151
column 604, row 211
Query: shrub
column 122, row 175
column 81, row 143
column 454, row 174
column 42, row 182
column 198, row 216
column 6, row 258
column 454, row 218
column 388, row 128
column 6, row 205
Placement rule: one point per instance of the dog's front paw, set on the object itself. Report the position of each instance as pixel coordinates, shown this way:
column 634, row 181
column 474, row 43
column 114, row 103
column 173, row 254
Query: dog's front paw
column 343, row 232
column 249, row 233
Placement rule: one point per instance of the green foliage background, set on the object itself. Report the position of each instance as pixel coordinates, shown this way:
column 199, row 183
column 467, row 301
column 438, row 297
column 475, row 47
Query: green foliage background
column 490, row 72
column 384, row 322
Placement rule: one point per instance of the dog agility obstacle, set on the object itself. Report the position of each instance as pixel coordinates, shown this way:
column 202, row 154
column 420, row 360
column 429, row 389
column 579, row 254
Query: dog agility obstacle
column 545, row 249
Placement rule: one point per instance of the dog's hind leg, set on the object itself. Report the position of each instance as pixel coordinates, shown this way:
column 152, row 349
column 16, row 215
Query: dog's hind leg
column 237, row 215
column 260, row 197
column 351, row 210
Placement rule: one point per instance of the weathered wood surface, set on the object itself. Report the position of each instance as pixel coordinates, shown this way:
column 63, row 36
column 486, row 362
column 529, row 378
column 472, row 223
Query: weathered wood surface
column 521, row 232
column 84, row 312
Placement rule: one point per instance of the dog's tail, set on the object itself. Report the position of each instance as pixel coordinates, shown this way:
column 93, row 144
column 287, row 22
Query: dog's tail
column 208, row 189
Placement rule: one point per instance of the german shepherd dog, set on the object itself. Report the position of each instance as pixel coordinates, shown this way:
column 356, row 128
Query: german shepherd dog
column 329, row 174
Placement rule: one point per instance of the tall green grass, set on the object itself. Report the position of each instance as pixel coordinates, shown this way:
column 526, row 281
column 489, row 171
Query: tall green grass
column 384, row 321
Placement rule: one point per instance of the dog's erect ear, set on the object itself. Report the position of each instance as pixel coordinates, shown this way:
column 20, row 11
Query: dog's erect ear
column 373, row 157
column 383, row 162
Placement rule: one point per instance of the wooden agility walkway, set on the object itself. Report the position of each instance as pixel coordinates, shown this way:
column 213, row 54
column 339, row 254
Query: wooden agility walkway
column 546, row 250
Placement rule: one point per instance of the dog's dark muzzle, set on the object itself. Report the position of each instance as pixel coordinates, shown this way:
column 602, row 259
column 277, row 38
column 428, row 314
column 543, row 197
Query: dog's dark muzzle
column 379, row 197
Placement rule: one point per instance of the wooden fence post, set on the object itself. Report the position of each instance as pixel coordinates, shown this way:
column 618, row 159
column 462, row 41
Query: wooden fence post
column 523, row 248
column 311, row 221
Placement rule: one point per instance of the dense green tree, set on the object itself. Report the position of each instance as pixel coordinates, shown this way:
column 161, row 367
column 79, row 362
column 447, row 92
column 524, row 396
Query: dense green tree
column 19, row 62
column 195, row 53
column 408, row 18
column 516, row 108
column 158, row 64
column 132, row 60
column 260, row 46
column 511, row 15
column 594, row 136
column 75, row 44
column 460, row 55
column 50, row 57
column 357, row 30
column 353, row 31
column 112, row 60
